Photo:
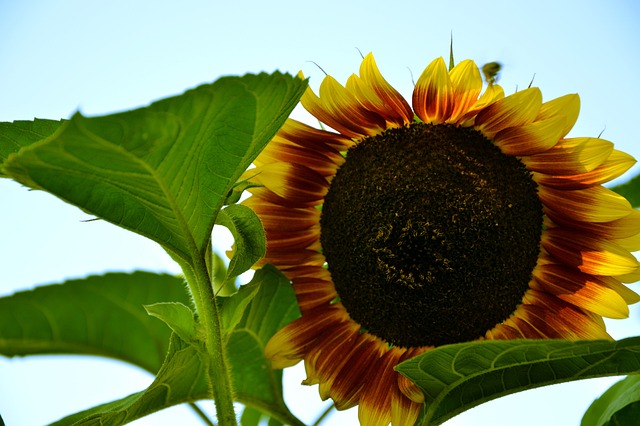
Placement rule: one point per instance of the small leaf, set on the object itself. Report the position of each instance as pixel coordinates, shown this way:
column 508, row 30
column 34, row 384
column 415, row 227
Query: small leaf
column 98, row 315
column 180, row 379
column 232, row 308
column 620, row 405
column 14, row 136
column 221, row 285
column 177, row 316
column 630, row 190
column 455, row 378
column 248, row 235
column 163, row 171
column 272, row 307
column 250, row 417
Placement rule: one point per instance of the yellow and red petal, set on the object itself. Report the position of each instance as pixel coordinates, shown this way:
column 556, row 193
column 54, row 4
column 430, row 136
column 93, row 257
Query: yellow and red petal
column 433, row 94
column 313, row 292
column 294, row 185
column 570, row 157
column 515, row 110
column 290, row 344
column 467, row 85
column 532, row 138
column 625, row 227
column 594, row 204
column 396, row 109
column 590, row 255
column 582, row 290
column 616, row 165
column 375, row 403
column 314, row 139
column 345, row 385
column 339, row 109
column 564, row 319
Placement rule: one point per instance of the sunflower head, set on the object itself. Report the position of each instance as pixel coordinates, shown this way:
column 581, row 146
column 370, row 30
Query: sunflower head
column 466, row 215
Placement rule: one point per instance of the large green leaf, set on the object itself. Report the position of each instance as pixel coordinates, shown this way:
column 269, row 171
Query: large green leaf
column 620, row 405
column 99, row 315
column 181, row 378
column 630, row 190
column 455, row 378
column 16, row 135
column 163, row 171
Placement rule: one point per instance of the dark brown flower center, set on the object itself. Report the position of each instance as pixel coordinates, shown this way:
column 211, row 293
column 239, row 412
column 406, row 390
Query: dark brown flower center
column 431, row 234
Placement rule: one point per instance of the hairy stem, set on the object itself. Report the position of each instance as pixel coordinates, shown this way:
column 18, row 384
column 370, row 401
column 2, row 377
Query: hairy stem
column 219, row 376
column 215, row 358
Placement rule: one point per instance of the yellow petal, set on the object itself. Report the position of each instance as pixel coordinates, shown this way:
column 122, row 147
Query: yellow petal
column 567, row 106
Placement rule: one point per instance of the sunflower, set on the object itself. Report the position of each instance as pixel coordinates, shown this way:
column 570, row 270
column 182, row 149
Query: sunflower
column 465, row 216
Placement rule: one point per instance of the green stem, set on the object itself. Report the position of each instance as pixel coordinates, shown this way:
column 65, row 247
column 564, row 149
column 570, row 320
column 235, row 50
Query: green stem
column 218, row 370
column 324, row 415
column 206, row 420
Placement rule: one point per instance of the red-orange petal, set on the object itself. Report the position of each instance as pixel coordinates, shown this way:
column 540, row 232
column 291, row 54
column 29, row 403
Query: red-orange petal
column 313, row 292
column 375, row 403
column 289, row 345
column 346, row 384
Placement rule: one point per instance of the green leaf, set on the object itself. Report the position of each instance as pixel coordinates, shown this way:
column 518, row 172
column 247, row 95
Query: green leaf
column 177, row 316
column 232, row 308
column 630, row 190
column 221, row 285
column 620, row 405
column 163, row 171
column 248, row 236
column 250, row 417
column 98, row 315
column 16, row 135
column 273, row 306
column 455, row 378
column 181, row 379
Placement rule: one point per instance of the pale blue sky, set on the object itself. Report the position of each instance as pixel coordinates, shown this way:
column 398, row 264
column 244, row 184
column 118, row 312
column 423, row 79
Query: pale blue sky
column 100, row 57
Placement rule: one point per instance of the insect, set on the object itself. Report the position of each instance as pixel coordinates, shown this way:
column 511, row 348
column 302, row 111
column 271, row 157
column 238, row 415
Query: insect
column 490, row 71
